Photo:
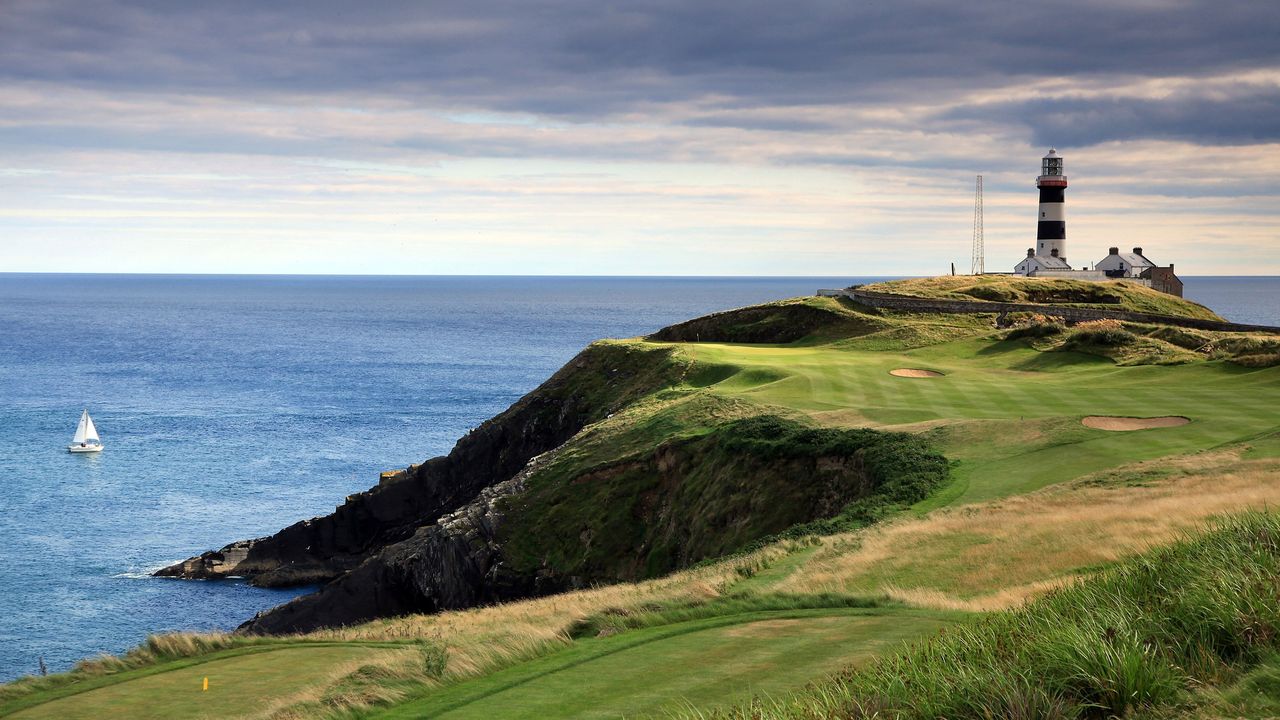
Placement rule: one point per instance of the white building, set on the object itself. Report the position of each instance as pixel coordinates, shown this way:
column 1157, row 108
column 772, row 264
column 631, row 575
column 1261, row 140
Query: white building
column 1034, row 264
column 1124, row 265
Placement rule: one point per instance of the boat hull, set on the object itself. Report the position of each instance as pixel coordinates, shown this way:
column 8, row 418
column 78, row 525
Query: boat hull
column 84, row 448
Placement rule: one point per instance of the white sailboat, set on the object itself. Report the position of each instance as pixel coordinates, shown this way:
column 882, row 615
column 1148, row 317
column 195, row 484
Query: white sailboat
column 86, row 439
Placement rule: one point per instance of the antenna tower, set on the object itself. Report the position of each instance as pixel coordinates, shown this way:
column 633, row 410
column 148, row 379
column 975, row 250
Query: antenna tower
column 976, row 267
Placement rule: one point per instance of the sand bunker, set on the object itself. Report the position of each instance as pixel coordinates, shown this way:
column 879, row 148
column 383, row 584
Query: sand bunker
column 1121, row 424
column 913, row 372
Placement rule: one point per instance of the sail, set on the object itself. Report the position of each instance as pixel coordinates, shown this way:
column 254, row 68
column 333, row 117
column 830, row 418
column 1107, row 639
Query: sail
column 85, row 431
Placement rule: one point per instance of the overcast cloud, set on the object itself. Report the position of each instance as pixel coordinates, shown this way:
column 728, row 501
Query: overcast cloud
column 447, row 136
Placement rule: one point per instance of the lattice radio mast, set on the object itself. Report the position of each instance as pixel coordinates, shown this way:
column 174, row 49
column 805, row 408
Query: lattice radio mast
column 976, row 267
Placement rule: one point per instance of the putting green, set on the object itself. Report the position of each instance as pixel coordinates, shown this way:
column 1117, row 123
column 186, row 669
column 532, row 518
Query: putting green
column 240, row 685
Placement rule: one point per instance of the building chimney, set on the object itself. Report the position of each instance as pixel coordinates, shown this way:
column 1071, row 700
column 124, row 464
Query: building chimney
column 1170, row 267
column 1031, row 252
column 1137, row 251
column 1113, row 251
column 1054, row 252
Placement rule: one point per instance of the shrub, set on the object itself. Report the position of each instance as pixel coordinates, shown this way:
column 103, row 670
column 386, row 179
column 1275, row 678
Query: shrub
column 993, row 293
column 1106, row 333
column 435, row 658
column 1264, row 360
column 742, row 484
column 1037, row 326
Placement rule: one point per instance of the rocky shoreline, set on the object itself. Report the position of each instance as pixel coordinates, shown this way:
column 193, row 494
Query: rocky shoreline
column 423, row 538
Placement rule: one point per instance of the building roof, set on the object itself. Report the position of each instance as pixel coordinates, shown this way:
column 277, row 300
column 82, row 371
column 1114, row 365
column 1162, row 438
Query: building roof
column 1133, row 260
column 1051, row 262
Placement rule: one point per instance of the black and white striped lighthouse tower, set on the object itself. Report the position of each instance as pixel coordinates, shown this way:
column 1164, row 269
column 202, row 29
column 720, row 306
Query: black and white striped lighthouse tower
column 1051, row 233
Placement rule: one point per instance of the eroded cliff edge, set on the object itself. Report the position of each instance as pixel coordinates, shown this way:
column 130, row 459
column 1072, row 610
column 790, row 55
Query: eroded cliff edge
column 600, row 379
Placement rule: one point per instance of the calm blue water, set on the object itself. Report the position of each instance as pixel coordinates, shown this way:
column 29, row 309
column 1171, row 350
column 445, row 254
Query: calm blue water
column 1253, row 300
column 233, row 406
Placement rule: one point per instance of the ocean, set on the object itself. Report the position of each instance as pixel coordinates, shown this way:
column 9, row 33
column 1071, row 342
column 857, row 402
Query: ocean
column 232, row 406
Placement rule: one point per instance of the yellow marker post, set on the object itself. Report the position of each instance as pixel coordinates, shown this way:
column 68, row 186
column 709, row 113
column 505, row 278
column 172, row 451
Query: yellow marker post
column 206, row 684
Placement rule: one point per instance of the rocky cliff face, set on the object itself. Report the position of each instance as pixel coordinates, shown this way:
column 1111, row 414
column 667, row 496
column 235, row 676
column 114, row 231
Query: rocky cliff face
column 454, row 563
column 562, row 523
column 602, row 378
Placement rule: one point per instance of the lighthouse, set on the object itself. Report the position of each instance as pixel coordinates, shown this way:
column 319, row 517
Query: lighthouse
column 1048, row 258
column 1051, row 231
column 1049, row 255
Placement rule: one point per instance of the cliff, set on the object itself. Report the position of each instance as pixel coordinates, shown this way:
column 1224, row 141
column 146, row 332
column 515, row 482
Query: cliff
column 561, row 524
column 556, row 492
column 602, row 378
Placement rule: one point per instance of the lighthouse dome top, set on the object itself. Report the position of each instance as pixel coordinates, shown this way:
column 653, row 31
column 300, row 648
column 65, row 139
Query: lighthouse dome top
column 1051, row 165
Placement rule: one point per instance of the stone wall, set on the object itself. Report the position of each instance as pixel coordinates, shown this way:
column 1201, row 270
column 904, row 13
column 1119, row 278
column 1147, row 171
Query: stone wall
column 1071, row 314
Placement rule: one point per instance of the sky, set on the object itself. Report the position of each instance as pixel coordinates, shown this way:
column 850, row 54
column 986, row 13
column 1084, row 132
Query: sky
column 672, row 137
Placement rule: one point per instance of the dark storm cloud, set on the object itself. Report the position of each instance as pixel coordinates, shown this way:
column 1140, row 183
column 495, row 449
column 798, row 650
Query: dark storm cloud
column 586, row 60
column 1242, row 119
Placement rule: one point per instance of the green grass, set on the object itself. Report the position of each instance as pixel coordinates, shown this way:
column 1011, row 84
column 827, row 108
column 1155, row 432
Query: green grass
column 1012, row 423
column 702, row 662
column 684, row 499
column 239, row 681
column 1119, row 295
column 1255, row 694
column 810, row 319
column 741, row 603
column 1137, row 639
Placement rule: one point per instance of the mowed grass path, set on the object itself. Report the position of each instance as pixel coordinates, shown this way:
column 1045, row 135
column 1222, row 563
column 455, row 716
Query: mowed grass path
column 246, row 683
column 1008, row 414
column 701, row 664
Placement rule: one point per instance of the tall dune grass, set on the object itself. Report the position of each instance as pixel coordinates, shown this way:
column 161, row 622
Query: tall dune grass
column 481, row 640
column 1135, row 639
column 995, row 556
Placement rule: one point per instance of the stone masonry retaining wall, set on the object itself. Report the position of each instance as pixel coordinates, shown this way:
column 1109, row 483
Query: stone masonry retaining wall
column 1071, row 314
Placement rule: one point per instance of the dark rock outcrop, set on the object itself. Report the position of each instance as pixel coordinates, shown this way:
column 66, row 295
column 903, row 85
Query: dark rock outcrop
column 454, row 563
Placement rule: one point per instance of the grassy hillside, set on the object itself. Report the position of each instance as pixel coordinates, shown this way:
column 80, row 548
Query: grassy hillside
column 1035, row 500
column 1141, row 638
column 708, row 495
column 1118, row 295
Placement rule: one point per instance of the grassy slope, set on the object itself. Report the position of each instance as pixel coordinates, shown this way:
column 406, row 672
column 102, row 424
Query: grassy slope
column 1141, row 640
column 992, row 555
column 242, row 681
column 685, row 500
column 1002, row 288
column 1005, row 413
